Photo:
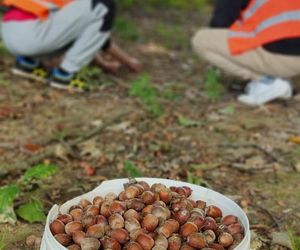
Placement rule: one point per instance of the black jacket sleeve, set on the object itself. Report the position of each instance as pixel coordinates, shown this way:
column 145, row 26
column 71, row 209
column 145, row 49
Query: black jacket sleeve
column 227, row 12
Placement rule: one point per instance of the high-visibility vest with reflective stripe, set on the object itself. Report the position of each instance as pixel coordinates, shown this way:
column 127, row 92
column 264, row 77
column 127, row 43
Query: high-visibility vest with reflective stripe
column 40, row 8
column 265, row 21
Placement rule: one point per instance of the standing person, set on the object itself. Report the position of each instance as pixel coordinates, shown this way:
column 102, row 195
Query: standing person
column 256, row 40
column 35, row 28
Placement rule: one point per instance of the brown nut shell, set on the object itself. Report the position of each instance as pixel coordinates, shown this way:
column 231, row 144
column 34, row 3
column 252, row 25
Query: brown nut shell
column 65, row 218
column 150, row 222
column 145, row 241
column 78, row 236
column 196, row 240
column 169, row 227
column 174, row 242
column 188, row 229
column 225, row 239
column 90, row 244
column 121, row 235
column 213, row 211
column 57, row 227
column 63, row 239
column 73, row 226
column 96, row 231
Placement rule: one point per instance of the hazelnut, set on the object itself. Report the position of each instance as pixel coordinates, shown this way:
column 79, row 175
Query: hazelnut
column 210, row 224
column 210, row 236
column 193, row 203
column 134, row 246
column 122, row 196
column 196, row 240
column 96, row 231
column 188, row 191
column 173, row 189
column 131, row 213
column 182, row 215
column 186, row 247
column 229, row 220
column 169, row 227
column 150, row 222
column 147, row 210
column 162, row 213
column 74, row 207
column 105, row 209
column 181, row 191
column 216, row 246
column 162, row 241
column 74, row 247
column 101, row 220
column 65, row 218
column 132, row 224
column 84, row 203
column 90, row 244
column 198, row 211
column 131, row 192
column 157, row 187
column 63, row 239
column 78, row 236
column 145, row 241
column 213, row 211
column 73, row 226
column 140, row 188
column 235, row 229
column 148, row 197
column 136, row 204
column 188, row 229
column 225, row 239
column 136, row 232
column 144, row 184
column 77, row 214
column 110, row 243
column 57, row 227
column 98, row 200
column 201, row 204
column 165, row 195
column 116, row 221
column 197, row 220
column 121, row 235
column 117, row 207
column 92, row 210
column 110, row 197
column 174, row 242
column 89, row 220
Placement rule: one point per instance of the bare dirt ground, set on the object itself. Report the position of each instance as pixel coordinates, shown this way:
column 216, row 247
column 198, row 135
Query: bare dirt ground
column 242, row 152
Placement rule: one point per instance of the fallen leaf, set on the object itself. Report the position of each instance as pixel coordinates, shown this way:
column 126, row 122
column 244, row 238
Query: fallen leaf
column 295, row 140
column 33, row 148
column 89, row 170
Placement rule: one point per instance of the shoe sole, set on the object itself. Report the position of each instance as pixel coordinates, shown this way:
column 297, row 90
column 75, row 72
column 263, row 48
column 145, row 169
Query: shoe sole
column 28, row 76
column 63, row 87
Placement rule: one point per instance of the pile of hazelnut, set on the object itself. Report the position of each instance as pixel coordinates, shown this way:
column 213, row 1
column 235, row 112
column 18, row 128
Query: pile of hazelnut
column 144, row 217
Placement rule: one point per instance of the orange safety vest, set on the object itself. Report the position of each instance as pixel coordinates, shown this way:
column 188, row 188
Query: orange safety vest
column 264, row 21
column 40, row 8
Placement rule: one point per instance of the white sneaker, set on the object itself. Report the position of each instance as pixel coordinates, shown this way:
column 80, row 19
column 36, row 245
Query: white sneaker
column 265, row 90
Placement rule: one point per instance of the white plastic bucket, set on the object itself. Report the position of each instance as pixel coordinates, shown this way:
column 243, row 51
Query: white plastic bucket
column 210, row 196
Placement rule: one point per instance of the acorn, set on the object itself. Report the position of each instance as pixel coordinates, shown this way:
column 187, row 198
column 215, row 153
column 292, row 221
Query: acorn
column 57, row 227
column 84, row 203
column 63, row 239
column 92, row 210
column 110, row 243
column 148, row 197
column 74, row 247
column 150, row 222
column 131, row 192
column 145, row 185
column 117, row 207
column 201, row 204
column 90, row 244
column 162, row 241
column 161, row 213
column 96, row 231
column 78, row 236
column 77, row 214
column 136, row 204
column 145, row 241
column 133, row 246
column 209, row 224
column 169, row 227
column 65, row 218
column 229, row 220
column 111, row 196
column 210, row 236
column 225, row 239
column 132, row 224
column 73, row 226
column 182, row 215
column 98, row 200
column 235, row 229
column 89, row 220
column 188, row 229
column 197, row 220
column 131, row 213
column 121, row 235
column 116, row 221
column 174, row 242
column 213, row 211
column 105, row 209
column 196, row 240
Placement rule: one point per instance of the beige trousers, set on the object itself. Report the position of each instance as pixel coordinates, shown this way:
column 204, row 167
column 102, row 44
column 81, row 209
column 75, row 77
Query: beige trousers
column 212, row 46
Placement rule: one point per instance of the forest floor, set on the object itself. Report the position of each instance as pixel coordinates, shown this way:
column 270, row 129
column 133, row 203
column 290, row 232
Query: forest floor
column 192, row 130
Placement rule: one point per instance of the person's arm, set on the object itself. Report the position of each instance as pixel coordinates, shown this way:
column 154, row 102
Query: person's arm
column 227, row 12
column 115, row 51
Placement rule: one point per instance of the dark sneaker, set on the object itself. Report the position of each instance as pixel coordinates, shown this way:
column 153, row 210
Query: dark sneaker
column 30, row 69
column 61, row 79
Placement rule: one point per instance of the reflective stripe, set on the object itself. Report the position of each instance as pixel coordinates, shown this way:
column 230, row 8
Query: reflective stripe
column 281, row 18
column 250, row 12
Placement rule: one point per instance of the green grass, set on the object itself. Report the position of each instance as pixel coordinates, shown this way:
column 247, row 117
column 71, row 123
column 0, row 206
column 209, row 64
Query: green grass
column 3, row 50
column 213, row 87
column 295, row 240
column 126, row 29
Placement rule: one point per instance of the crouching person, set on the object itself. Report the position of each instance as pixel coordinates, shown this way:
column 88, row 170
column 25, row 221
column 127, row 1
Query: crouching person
column 256, row 40
column 32, row 29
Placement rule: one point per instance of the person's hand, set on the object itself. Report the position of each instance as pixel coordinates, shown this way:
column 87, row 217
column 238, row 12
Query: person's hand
column 134, row 64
